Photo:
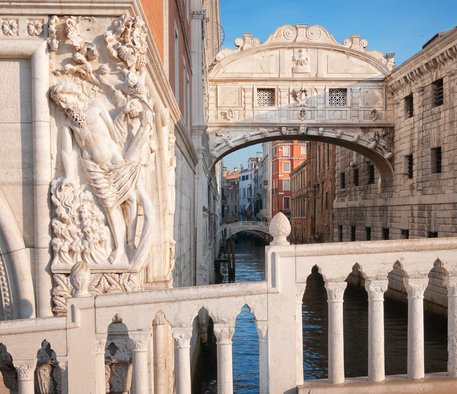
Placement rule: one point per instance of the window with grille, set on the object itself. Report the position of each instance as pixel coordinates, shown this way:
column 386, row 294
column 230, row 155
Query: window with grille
column 437, row 92
column 409, row 106
column 409, row 166
column 368, row 233
column 337, row 97
column 266, row 97
column 343, row 180
column 370, row 170
column 436, row 160
column 355, row 176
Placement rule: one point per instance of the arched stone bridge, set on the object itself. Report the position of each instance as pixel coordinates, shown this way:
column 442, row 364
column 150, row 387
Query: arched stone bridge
column 249, row 226
column 302, row 84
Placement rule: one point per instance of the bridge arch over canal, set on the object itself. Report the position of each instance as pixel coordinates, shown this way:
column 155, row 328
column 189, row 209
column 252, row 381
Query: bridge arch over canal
column 302, row 84
column 255, row 227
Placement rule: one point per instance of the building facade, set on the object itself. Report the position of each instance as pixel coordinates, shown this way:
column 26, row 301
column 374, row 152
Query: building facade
column 231, row 196
column 420, row 199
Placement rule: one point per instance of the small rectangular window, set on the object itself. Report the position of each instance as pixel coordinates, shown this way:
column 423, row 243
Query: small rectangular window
column 343, row 180
column 286, row 184
column 437, row 92
column 409, row 166
column 404, row 234
column 409, row 106
column 370, row 170
column 286, row 166
column 340, row 233
column 368, row 233
column 432, row 234
column 436, row 160
column 385, row 233
column 337, row 97
column 287, row 203
column 286, row 151
column 352, row 233
column 355, row 176
column 303, row 150
column 266, row 97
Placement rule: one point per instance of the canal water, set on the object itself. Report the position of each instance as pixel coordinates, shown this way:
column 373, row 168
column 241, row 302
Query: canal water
column 250, row 254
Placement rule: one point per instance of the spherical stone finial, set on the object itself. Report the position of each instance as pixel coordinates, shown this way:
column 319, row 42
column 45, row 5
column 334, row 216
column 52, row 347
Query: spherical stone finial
column 280, row 229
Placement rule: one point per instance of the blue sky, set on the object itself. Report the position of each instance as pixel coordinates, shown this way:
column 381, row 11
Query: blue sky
column 400, row 26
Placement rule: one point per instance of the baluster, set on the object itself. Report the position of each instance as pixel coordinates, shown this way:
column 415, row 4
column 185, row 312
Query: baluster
column 182, row 336
column 335, row 294
column 100, row 379
column 140, row 362
column 415, row 288
column 224, row 334
column 452, row 326
column 376, row 289
column 25, row 376
column 262, row 330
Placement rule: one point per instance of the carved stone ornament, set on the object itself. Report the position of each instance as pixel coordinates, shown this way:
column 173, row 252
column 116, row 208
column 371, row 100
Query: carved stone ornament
column 301, row 61
column 376, row 289
column 224, row 333
column 25, row 370
column 335, row 291
column 35, row 27
column 10, row 27
column 280, row 229
column 140, row 342
column 80, row 279
column 182, row 336
column 115, row 151
column 415, row 287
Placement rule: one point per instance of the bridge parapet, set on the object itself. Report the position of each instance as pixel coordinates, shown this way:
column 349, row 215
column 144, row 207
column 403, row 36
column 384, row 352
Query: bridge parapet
column 142, row 319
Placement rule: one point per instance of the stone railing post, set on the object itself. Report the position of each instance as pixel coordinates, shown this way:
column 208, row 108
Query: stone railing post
column 224, row 334
column 182, row 336
column 100, row 380
column 376, row 289
column 262, row 331
column 335, row 294
column 140, row 362
column 452, row 326
column 25, row 376
column 299, row 290
column 416, row 288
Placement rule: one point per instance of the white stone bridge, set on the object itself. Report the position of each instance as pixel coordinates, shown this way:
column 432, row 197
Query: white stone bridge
column 256, row 227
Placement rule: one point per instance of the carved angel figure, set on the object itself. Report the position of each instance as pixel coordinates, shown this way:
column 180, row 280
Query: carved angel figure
column 112, row 170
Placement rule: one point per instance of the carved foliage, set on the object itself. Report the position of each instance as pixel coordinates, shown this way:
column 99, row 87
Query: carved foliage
column 335, row 291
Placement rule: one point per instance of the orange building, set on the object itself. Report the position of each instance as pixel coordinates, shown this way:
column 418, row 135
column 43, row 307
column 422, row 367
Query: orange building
column 285, row 157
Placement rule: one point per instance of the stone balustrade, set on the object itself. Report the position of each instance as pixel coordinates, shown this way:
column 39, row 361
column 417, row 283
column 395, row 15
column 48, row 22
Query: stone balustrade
column 89, row 341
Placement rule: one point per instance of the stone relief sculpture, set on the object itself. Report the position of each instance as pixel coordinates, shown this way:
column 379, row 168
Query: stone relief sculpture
column 116, row 151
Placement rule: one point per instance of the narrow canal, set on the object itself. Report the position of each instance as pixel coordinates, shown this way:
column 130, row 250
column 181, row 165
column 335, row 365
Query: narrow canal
column 250, row 254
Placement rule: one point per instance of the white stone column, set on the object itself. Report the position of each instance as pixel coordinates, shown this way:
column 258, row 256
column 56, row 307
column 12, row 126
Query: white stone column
column 335, row 294
column 376, row 366
column 140, row 362
column 25, row 376
column 262, row 331
column 100, row 380
column 300, row 290
column 415, row 288
column 62, row 380
column 160, row 355
column 182, row 336
column 452, row 326
column 224, row 334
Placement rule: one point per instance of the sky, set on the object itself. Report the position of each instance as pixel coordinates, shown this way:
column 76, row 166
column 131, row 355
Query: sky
column 400, row 26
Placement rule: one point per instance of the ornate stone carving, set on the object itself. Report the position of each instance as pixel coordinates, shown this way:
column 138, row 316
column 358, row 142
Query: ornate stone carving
column 140, row 342
column 105, row 214
column 10, row 27
column 335, row 291
column 376, row 289
column 25, row 370
column 224, row 333
column 35, row 27
column 182, row 336
column 280, row 229
column 301, row 61
column 80, row 279
column 5, row 292
column 416, row 286
column 46, row 369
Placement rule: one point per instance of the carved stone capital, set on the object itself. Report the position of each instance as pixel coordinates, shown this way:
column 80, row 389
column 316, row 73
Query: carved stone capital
column 140, row 342
column 224, row 333
column 25, row 369
column 100, row 344
column 182, row 336
column 376, row 289
column 335, row 291
column 415, row 287
column 262, row 330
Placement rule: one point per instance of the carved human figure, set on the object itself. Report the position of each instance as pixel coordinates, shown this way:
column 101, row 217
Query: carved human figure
column 113, row 172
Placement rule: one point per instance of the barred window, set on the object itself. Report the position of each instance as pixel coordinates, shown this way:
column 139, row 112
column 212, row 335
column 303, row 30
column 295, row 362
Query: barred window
column 355, row 176
column 436, row 160
column 343, row 180
column 437, row 92
column 266, row 97
column 337, row 97
column 409, row 106
column 409, row 169
column 370, row 169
